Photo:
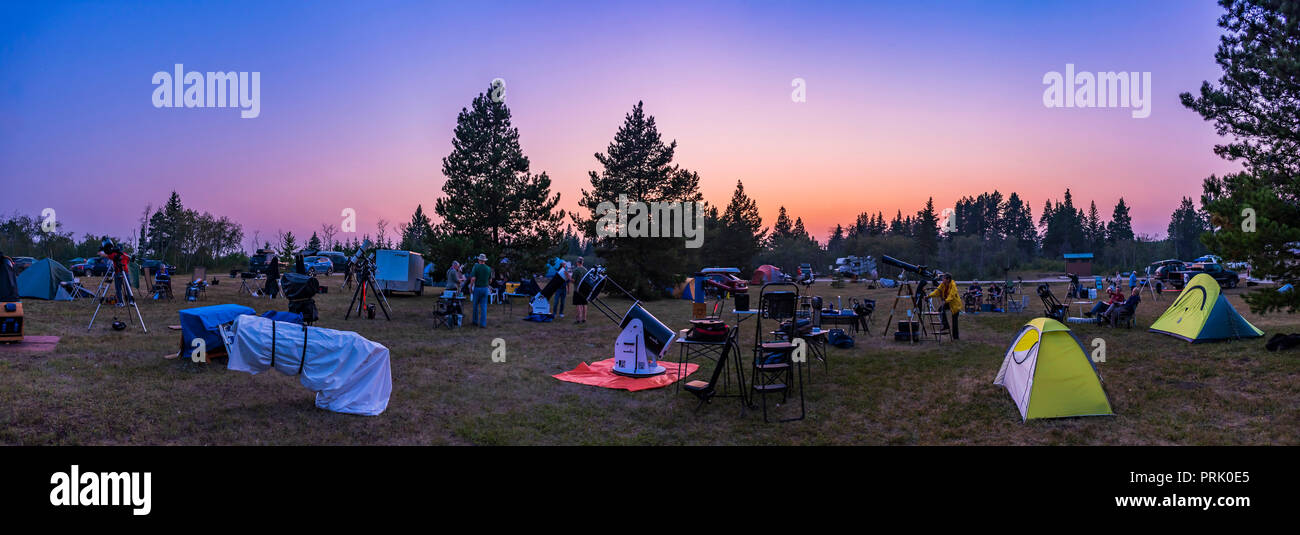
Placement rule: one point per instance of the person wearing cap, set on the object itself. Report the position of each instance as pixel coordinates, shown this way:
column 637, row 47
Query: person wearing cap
column 480, row 279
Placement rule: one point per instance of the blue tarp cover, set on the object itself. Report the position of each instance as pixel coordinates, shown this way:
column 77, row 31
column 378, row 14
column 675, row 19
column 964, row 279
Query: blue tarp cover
column 202, row 322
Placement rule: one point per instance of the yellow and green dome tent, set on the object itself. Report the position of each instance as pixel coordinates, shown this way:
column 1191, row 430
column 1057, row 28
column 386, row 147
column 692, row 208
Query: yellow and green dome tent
column 1202, row 314
column 1049, row 375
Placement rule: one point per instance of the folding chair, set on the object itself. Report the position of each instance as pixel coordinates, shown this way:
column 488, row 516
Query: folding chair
column 162, row 286
column 706, row 390
column 200, row 276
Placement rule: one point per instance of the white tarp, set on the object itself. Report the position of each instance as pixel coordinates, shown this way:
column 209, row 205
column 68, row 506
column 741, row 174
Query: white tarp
column 348, row 373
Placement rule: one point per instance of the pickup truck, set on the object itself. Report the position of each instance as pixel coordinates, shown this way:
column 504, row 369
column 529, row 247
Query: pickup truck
column 1226, row 278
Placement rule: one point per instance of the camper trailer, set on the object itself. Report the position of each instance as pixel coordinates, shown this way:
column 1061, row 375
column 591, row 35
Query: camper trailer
column 855, row 267
column 399, row 271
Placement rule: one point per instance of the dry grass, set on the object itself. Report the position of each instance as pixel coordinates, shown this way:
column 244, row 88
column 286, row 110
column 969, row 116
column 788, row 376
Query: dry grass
column 106, row 387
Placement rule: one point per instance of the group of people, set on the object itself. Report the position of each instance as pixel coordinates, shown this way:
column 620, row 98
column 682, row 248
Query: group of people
column 1115, row 302
column 480, row 282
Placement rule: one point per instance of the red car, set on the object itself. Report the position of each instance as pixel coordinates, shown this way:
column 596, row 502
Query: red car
column 723, row 279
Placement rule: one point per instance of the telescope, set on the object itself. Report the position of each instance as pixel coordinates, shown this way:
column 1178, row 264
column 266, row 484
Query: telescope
column 924, row 273
column 644, row 339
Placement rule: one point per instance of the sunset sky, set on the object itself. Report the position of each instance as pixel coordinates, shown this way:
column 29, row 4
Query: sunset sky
column 358, row 103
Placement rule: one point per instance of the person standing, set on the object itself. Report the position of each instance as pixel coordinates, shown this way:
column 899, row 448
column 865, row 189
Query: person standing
column 1132, row 280
column 947, row 290
column 119, row 262
column 453, row 276
column 579, row 300
column 480, row 278
column 563, row 273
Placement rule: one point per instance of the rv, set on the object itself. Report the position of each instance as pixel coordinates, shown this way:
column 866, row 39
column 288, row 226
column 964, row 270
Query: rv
column 855, row 267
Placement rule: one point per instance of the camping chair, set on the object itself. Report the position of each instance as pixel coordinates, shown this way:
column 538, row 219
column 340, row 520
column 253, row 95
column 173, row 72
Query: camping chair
column 706, row 390
column 773, row 367
column 1126, row 313
column 162, row 285
column 200, row 276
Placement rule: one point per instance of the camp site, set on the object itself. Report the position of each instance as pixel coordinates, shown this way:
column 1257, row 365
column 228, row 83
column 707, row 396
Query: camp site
column 978, row 230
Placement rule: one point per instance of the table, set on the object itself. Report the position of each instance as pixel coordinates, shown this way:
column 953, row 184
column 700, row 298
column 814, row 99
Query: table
column 1083, row 304
column 689, row 349
column 816, row 344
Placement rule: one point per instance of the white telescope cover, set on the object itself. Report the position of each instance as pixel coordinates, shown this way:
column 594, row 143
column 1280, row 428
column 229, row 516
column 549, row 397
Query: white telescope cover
column 348, row 373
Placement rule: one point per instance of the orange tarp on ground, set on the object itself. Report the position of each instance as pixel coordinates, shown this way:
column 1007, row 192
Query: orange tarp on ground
column 601, row 373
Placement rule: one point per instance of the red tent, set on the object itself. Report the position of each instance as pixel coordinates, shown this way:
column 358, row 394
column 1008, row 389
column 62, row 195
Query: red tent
column 766, row 273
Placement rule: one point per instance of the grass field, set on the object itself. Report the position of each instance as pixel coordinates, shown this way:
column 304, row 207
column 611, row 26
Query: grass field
column 107, row 387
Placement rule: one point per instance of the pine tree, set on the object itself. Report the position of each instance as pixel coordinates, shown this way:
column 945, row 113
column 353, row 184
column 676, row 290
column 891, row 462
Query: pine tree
column 288, row 245
column 417, row 232
column 1256, row 103
column 927, row 231
column 799, row 232
column 836, row 242
column 742, row 230
column 782, row 227
column 638, row 164
column 493, row 203
column 314, row 242
column 1120, row 228
column 1185, row 228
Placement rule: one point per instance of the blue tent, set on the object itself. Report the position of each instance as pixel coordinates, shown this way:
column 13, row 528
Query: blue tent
column 41, row 280
column 202, row 322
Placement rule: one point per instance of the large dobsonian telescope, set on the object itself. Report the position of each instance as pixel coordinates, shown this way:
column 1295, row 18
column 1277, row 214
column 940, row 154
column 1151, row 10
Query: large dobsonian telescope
column 644, row 338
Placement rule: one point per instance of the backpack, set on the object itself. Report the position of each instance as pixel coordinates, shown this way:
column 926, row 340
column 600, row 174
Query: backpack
column 839, row 338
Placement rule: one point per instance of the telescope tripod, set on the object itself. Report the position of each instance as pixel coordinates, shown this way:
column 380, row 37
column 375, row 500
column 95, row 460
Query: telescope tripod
column 914, row 313
column 366, row 279
column 105, row 285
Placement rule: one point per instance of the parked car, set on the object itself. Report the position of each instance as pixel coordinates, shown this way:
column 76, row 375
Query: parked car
column 1226, row 278
column 23, row 262
column 1166, row 273
column 318, row 265
column 338, row 259
column 77, row 266
column 723, row 279
column 257, row 262
column 96, row 267
column 1209, row 258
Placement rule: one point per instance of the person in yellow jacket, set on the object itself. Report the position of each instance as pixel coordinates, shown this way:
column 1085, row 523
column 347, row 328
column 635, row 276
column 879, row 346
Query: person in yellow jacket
column 947, row 290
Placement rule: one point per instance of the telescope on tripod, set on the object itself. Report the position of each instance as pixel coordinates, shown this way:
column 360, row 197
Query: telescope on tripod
column 644, row 339
column 363, row 263
column 116, row 276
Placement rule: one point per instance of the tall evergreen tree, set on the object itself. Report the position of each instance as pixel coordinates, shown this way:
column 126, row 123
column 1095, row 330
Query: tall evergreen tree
column 640, row 165
column 314, row 242
column 1120, row 228
column 492, row 203
column 1257, row 103
column 742, row 233
column 417, row 232
column 782, row 227
column 926, row 231
column 1185, row 228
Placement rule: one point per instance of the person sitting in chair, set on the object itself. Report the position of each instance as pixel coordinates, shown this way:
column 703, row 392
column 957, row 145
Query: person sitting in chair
column 1128, row 307
column 1116, row 297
